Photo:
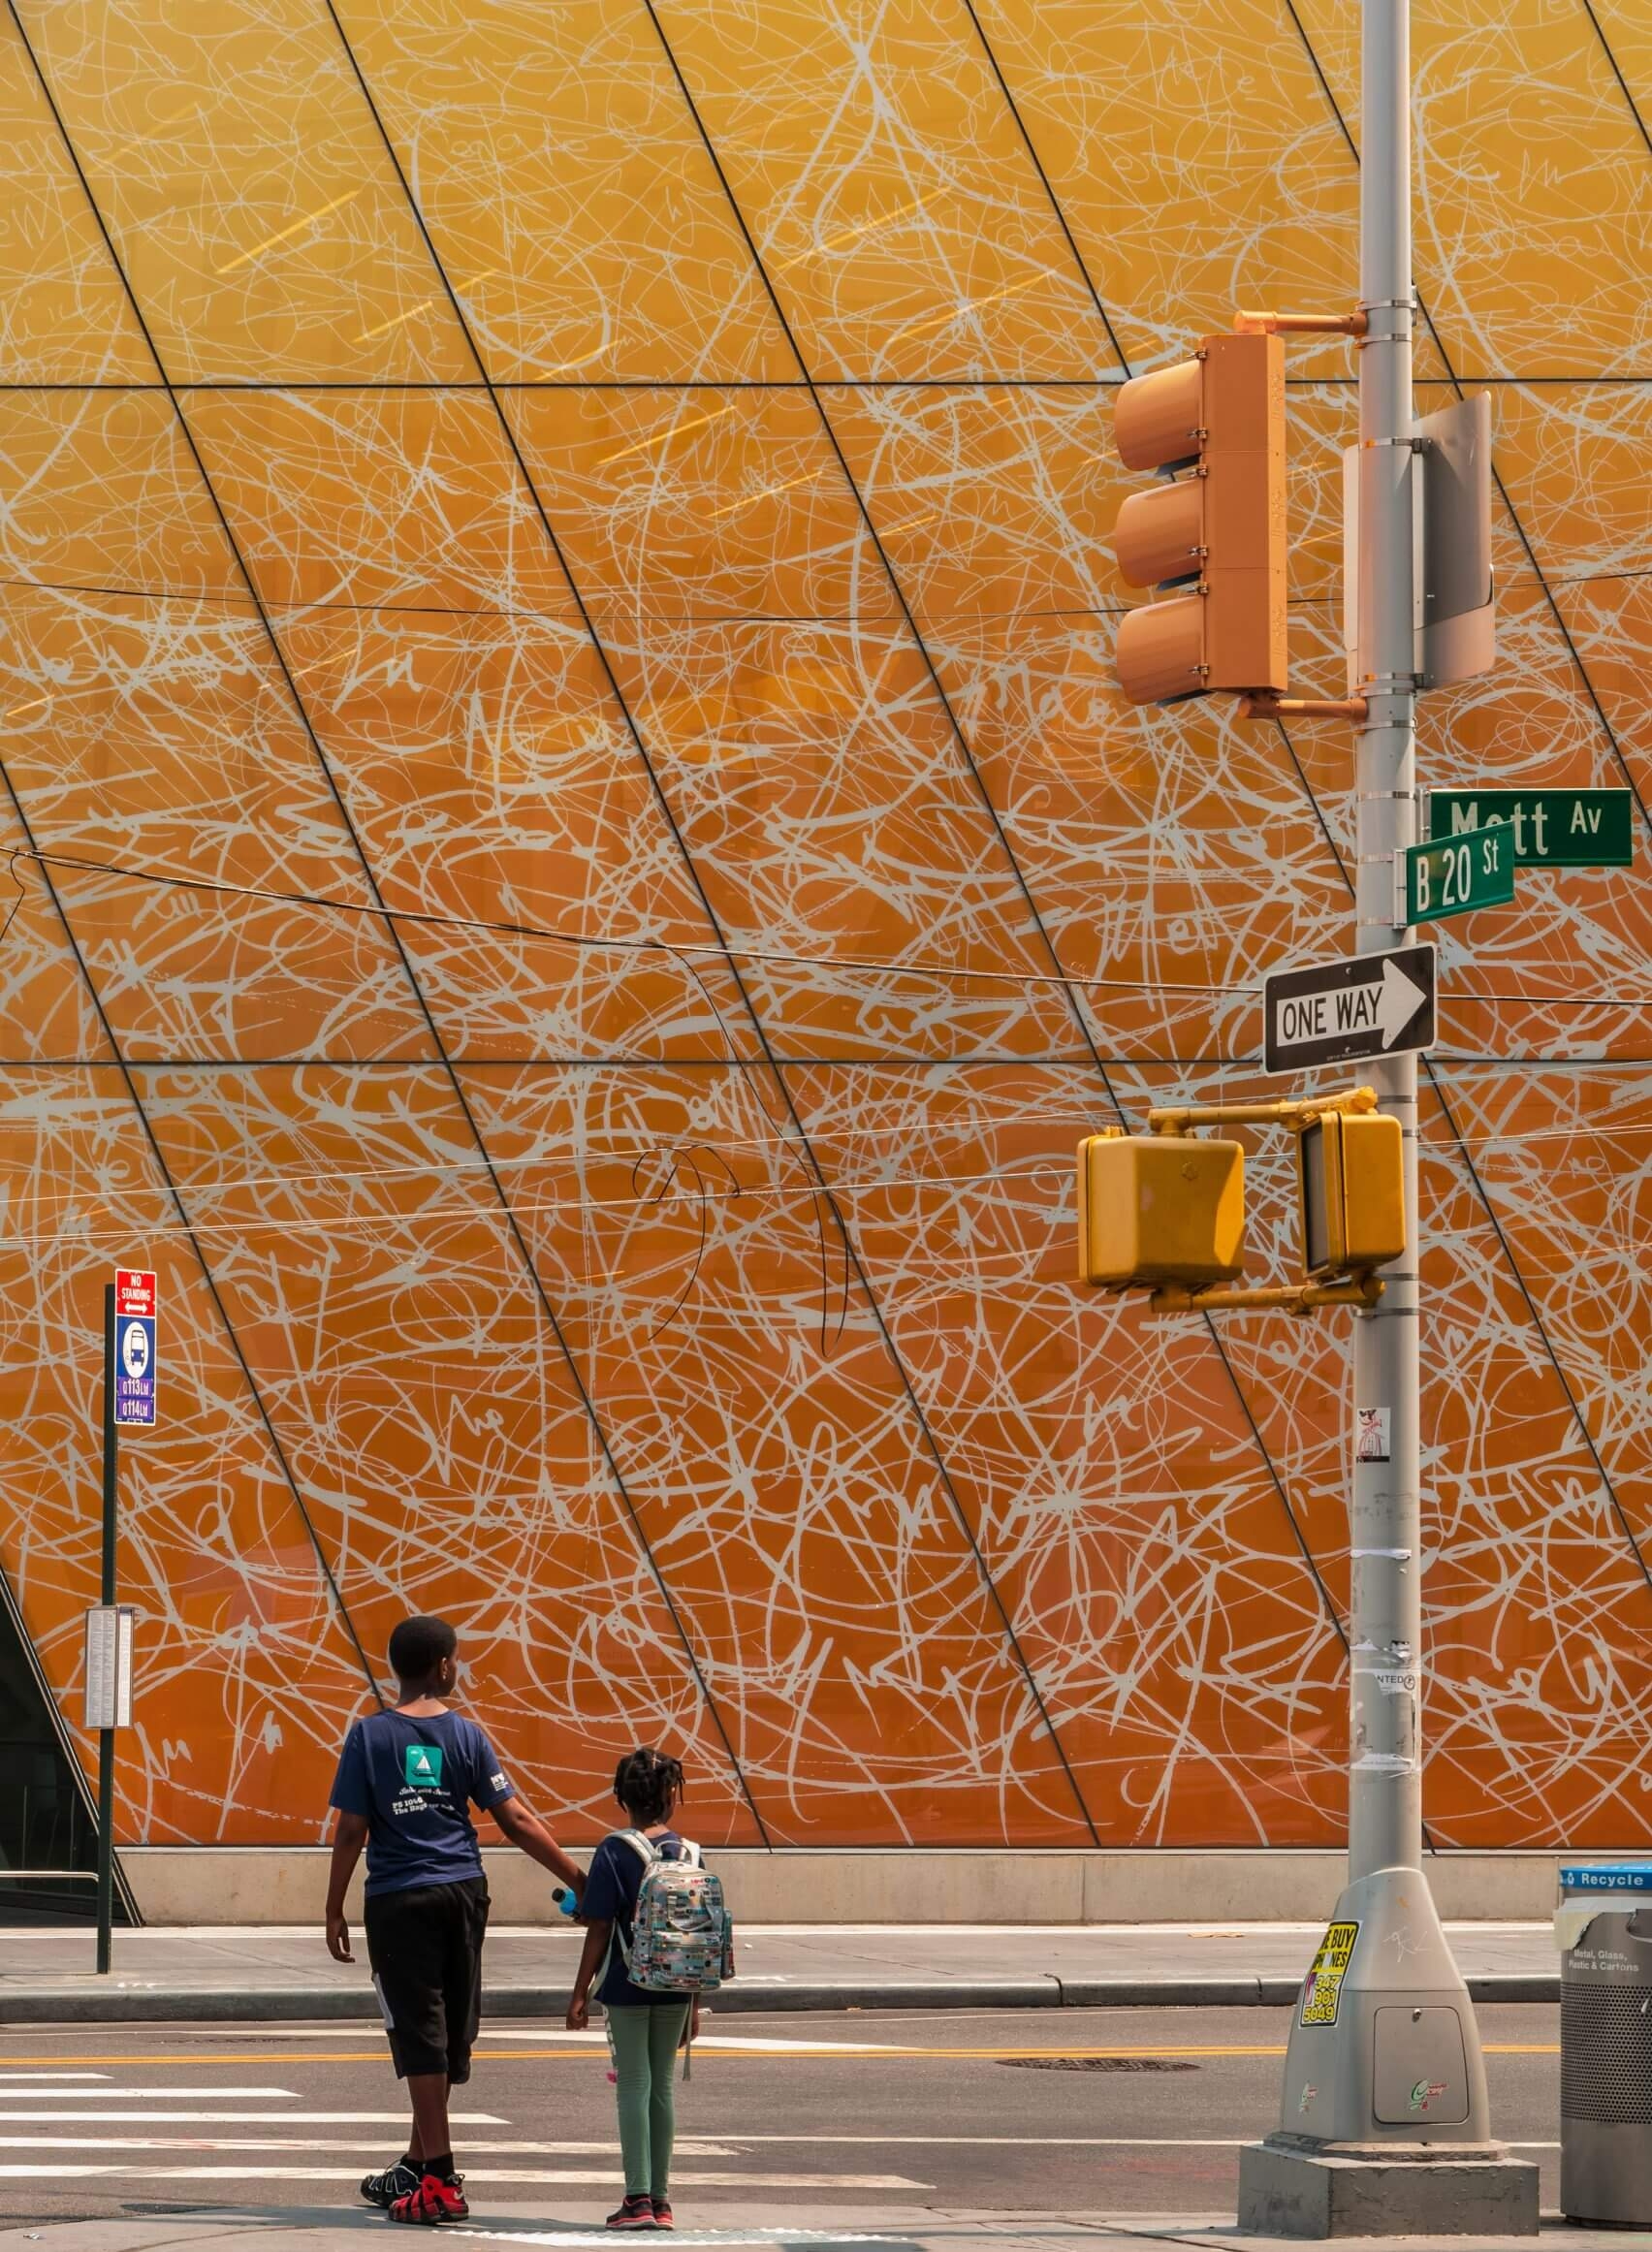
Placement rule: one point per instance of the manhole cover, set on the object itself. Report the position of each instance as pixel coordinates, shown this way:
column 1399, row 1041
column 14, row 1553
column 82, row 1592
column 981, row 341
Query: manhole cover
column 1102, row 2063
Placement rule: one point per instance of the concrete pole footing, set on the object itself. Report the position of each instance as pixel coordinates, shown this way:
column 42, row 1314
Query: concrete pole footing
column 1292, row 2185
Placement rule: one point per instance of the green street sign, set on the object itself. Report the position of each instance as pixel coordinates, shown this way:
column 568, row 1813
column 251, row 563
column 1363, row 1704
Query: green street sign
column 1552, row 827
column 1475, row 870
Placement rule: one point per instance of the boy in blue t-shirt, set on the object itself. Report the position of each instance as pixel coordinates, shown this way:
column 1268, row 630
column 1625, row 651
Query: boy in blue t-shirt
column 407, row 1778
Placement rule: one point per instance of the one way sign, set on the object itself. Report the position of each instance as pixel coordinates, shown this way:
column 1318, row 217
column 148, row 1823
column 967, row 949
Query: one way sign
column 1375, row 1004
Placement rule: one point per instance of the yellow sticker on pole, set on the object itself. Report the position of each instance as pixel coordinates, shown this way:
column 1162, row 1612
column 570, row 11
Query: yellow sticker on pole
column 1321, row 1990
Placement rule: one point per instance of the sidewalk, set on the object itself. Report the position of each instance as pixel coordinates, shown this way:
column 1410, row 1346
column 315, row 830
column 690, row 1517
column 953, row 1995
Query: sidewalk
column 933, row 2230
column 230, row 1973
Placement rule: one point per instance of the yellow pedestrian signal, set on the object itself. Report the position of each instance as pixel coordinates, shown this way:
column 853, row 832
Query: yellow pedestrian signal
column 1156, row 1209
column 1216, row 426
column 1351, row 1175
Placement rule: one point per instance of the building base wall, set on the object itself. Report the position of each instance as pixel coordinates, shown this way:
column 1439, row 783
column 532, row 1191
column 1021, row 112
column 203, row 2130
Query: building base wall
column 216, row 1884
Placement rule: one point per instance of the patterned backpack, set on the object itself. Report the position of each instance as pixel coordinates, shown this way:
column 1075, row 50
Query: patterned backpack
column 681, row 1935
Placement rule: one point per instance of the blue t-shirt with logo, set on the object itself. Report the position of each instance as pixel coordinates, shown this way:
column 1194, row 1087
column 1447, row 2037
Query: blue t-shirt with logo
column 415, row 1780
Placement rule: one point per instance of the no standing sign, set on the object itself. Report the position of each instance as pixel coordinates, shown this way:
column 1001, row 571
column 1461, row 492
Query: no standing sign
column 136, row 1311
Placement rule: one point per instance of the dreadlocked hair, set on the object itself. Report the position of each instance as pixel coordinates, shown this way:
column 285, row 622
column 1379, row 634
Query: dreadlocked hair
column 644, row 1783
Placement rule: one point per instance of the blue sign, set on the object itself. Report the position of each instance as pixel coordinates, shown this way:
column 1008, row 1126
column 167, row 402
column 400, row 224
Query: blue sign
column 135, row 1368
column 1606, row 1877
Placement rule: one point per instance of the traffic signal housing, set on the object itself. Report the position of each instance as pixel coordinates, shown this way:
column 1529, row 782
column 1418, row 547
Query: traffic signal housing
column 1160, row 1208
column 1351, row 1179
column 1215, row 426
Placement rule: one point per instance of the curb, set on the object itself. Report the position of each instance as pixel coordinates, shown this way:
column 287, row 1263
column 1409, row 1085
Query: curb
column 116, row 2005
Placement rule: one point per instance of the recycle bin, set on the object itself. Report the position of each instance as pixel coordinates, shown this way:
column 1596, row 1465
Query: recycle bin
column 1604, row 1927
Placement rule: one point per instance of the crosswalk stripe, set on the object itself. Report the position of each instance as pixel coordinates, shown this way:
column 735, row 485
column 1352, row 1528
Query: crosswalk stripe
column 581, row 2241
column 164, row 2118
column 569, row 2178
column 156, row 2093
column 686, row 2147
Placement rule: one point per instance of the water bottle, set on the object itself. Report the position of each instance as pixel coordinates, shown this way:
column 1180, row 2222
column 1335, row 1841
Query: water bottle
column 565, row 1901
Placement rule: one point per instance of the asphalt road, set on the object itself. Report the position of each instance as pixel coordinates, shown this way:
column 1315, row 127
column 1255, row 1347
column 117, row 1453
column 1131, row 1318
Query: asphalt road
column 807, row 2119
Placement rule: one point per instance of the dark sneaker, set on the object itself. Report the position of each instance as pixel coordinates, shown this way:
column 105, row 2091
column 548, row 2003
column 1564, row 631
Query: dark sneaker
column 633, row 2213
column 432, row 2201
column 383, row 2189
column 662, row 2212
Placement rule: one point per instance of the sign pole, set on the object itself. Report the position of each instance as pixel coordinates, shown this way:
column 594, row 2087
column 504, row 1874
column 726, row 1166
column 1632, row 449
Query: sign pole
column 1385, row 1769
column 105, row 1735
column 1385, row 2063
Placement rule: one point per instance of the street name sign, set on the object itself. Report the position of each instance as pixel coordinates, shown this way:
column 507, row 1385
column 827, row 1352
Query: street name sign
column 1453, row 877
column 136, row 1311
column 1552, row 827
column 1338, row 1012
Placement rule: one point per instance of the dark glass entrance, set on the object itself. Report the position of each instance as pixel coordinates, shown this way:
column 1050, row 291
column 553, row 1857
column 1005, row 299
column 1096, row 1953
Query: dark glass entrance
column 49, row 1854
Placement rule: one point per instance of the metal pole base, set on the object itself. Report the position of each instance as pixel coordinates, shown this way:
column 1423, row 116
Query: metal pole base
column 1294, row 2185
column 1385, row 2108
column 1384, row 2044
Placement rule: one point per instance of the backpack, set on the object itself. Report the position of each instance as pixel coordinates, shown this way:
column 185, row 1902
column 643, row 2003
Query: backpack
column 681, row 1935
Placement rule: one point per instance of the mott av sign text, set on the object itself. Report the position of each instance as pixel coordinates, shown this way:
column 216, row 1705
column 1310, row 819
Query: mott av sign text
column 1552, row 827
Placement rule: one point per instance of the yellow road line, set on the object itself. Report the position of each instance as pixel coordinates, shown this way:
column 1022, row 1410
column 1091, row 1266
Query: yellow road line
column 845, row 2054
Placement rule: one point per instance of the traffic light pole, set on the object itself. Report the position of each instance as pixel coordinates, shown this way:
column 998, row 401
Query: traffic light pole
column 1384, row 2127
column 1384, row 1774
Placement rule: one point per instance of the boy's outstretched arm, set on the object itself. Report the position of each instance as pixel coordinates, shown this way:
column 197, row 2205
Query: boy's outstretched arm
column 348, row 1839
column 527, row 1831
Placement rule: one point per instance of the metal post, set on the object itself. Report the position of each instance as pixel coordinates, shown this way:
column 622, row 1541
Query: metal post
column 1385, row 2059
column 1385, row 1775
column 106, row 1736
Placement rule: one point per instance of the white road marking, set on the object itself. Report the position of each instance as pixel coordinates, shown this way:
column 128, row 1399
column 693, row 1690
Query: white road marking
column 721, row 2237
column 9, row 2076
column 777, row 2045
column 686, row 2147
column 590, row 2178
column 156, row 2093
column 162, row 2118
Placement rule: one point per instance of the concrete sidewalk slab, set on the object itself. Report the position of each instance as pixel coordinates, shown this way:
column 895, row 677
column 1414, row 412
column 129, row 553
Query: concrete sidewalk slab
column 930, row 2229
column 223, row 1974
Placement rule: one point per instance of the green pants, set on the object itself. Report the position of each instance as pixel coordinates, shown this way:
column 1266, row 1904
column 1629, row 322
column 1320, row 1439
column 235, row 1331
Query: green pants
column 645, row 2044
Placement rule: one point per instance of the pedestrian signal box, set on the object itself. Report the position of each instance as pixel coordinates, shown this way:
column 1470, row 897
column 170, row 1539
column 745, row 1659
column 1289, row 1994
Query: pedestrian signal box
column 1214, row 426
column 1351, row 1173
column 1160, row 1208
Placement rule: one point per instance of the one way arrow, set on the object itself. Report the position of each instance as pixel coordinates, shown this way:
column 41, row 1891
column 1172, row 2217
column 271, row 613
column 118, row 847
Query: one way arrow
column 1399, row 1002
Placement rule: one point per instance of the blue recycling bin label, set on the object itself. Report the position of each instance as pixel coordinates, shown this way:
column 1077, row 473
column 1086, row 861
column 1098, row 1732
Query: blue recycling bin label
column 1606, row 1877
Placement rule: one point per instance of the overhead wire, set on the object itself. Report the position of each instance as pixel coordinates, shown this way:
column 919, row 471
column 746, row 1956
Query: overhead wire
column 683, row 949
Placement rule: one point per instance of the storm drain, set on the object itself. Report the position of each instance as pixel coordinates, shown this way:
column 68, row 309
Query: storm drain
column 1101, row 2063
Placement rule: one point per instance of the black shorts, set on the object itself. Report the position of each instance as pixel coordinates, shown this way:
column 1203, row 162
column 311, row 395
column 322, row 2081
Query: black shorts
column 424, row 1945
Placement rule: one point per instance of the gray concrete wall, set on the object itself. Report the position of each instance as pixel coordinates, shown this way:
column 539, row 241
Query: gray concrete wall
column 182, row 1885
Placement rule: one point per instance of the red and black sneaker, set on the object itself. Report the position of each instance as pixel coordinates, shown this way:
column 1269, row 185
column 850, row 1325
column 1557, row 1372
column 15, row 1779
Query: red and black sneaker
column 633, row 2213
column 433, row 2201
column 396, row 2179
column 662, row 2212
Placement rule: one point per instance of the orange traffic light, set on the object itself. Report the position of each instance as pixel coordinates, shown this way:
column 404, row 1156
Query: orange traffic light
column 1157, row 1208
column 1351, row 1178
column 1215, row 426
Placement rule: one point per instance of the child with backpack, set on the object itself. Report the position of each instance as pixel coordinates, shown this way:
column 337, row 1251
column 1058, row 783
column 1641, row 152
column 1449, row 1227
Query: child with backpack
column 658, row 1937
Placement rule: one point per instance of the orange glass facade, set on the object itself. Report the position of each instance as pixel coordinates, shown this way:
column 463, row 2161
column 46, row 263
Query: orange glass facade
column 578, row 871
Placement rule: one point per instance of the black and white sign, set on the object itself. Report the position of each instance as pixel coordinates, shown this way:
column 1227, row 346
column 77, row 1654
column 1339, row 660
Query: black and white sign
column 1372, row 1004
column 108, row 1666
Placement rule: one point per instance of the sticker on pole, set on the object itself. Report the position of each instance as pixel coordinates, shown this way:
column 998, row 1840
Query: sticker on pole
column 136, row 1311
column 1321, row 1990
